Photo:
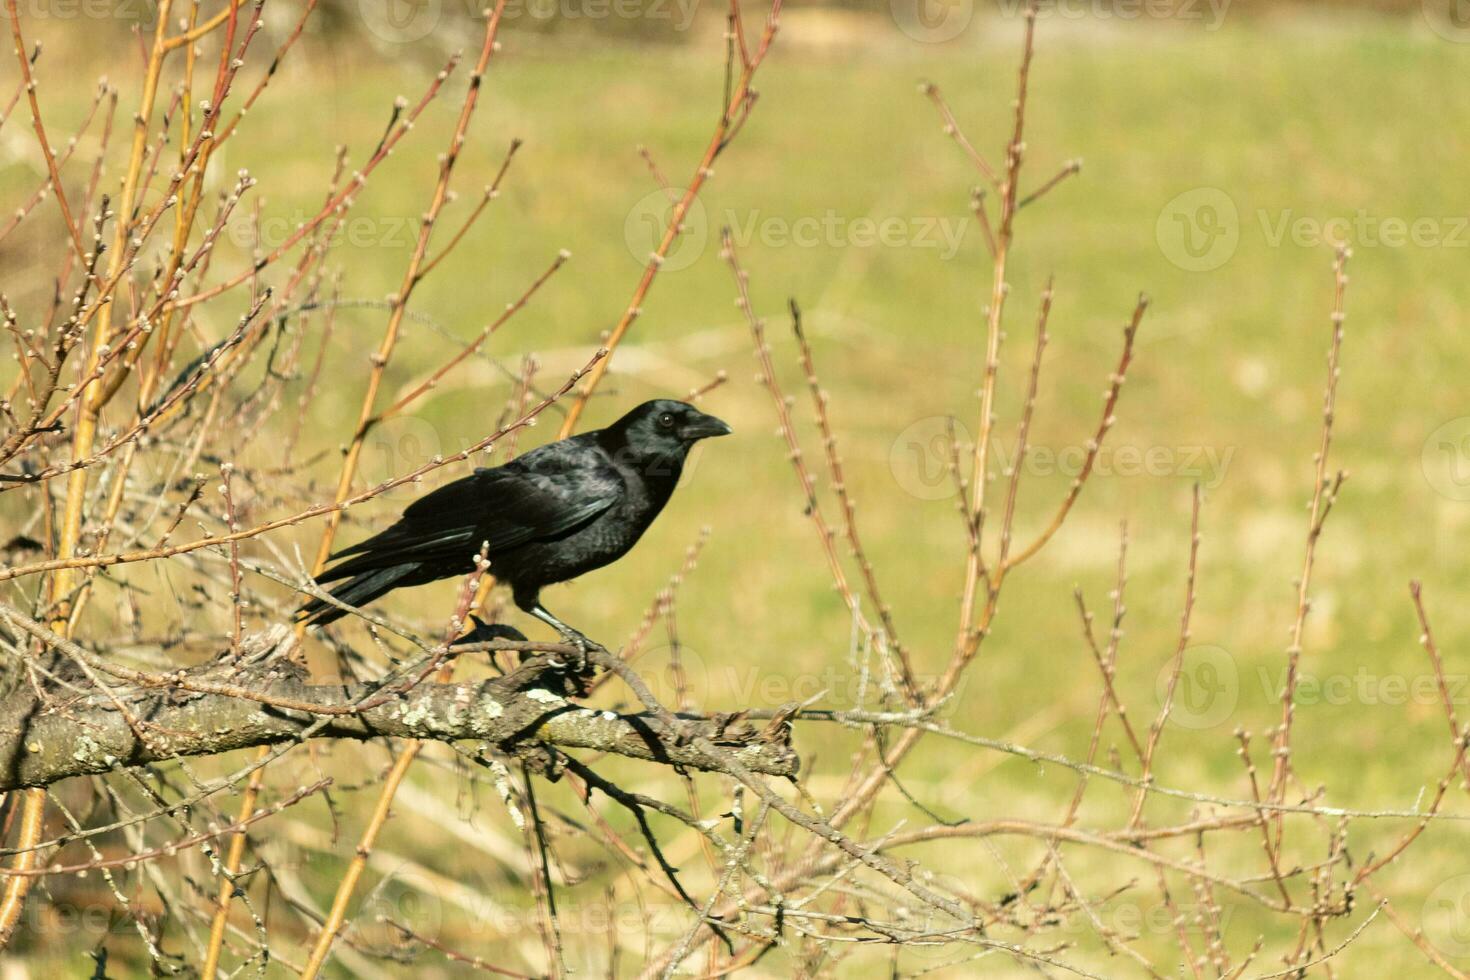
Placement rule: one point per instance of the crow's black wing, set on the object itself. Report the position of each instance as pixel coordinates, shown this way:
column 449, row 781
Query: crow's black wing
column 547, row 492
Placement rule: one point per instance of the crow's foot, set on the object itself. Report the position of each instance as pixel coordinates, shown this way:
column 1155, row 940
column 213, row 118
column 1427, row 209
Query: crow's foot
column 579, row 663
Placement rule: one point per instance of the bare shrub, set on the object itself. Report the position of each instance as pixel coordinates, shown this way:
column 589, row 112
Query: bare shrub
column 134, row 418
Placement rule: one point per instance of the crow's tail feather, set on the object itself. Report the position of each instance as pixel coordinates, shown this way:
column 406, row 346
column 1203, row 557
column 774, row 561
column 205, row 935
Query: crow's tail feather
column 357, row 591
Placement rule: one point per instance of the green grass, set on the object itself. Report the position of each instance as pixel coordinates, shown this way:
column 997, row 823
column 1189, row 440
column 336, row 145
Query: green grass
column 1305, row 118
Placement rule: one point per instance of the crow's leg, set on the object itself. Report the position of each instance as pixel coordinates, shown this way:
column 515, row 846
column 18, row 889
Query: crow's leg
column 575, row 637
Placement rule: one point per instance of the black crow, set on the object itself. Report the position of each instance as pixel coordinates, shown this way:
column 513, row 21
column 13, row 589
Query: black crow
column 548, row 516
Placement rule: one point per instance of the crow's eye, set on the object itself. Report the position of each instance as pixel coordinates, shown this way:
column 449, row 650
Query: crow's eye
column 666, row 421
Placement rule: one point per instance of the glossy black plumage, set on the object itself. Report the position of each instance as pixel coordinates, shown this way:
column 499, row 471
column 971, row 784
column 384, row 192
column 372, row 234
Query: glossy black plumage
column 558, row 511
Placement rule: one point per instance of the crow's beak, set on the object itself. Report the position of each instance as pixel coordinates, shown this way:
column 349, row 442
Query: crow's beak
column 703, row 427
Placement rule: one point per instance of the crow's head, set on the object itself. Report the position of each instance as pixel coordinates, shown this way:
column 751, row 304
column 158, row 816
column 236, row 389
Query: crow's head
column 664, row 428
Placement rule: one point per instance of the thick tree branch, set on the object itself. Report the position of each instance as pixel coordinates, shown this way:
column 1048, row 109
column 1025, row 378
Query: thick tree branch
column 42, row 744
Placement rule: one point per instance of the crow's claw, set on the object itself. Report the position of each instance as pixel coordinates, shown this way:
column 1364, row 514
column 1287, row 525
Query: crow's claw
column 579, row 664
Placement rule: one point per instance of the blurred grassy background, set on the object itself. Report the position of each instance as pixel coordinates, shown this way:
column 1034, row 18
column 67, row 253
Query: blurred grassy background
column 1304, row 114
